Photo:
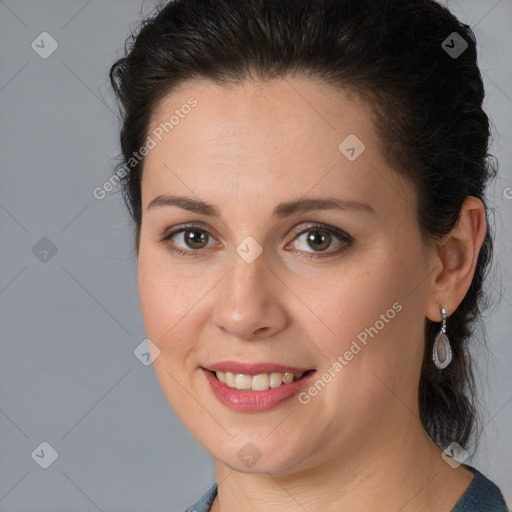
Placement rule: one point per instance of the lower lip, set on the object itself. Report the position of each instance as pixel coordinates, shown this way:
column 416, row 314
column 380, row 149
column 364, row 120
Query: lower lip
column 255, row 401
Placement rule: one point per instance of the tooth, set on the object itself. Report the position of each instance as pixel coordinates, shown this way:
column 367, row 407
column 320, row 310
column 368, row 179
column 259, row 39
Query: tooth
column 260, row 382
column 230, row 379
column 288, row 377
column 276, row 379
column 243, row 381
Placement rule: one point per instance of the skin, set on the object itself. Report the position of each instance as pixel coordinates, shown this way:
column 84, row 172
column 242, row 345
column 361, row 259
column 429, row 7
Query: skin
column 359, row 444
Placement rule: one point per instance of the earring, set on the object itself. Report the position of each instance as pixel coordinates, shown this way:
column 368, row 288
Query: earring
column 442, row 353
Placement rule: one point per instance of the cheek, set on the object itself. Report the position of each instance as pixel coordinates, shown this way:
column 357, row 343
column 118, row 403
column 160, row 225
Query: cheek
column 370, row 313
column 166, row 305
column 355, row 300
column 169, row 324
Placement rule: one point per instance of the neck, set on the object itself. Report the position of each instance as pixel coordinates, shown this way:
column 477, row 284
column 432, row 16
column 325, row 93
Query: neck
column 403, row 471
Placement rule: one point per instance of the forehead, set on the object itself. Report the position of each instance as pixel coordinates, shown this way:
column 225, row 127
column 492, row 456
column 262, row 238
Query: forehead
column 273, row 114
column 263, row 140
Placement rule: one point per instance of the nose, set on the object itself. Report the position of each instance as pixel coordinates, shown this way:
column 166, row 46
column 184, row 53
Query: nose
column 250, row 300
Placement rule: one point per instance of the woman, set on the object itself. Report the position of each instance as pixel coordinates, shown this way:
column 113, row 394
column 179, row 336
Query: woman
column 306, row 180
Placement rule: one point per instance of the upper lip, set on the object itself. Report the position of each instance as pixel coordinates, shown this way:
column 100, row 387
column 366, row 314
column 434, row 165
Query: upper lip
column 254, row 368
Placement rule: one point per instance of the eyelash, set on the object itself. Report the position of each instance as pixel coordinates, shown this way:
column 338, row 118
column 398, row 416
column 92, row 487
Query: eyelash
column 343, row 237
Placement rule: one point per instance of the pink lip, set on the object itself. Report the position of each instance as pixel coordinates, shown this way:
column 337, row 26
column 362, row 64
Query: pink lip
column 254, row 368
column 255, row 401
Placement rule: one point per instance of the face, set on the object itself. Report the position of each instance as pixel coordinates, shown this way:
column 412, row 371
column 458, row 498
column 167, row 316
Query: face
column 292, row 247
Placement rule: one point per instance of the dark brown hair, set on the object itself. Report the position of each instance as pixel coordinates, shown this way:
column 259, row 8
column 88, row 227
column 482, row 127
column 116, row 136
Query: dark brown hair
column 428, row 112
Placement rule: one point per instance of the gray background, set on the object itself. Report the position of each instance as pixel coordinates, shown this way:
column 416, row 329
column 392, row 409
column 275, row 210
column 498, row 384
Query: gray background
column 70, row 325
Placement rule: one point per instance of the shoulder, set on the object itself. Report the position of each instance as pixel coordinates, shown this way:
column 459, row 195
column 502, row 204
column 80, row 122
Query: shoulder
column 482, row 495
column 205, row 502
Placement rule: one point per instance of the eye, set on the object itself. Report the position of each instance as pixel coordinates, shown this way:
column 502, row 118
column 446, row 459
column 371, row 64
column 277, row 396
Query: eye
column 190, row 240
column 319, row 238
column 190, row 237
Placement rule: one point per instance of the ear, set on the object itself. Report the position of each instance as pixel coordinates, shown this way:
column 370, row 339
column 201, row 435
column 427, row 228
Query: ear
column 456, row 259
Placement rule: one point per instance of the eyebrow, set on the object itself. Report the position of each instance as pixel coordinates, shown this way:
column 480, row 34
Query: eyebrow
column 282, row 210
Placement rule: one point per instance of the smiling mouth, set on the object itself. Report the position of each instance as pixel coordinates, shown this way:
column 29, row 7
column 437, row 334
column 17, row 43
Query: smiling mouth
column 260, row 382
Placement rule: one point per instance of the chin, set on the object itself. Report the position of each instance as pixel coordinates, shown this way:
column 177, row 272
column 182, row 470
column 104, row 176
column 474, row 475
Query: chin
column 259, row 457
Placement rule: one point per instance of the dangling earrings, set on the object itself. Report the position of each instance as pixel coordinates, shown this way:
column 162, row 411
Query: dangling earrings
column 442, row 353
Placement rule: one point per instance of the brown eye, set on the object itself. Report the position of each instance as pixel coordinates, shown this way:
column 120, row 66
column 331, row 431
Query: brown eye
column 319, row 240
column 195, row 238
column 189, row 241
